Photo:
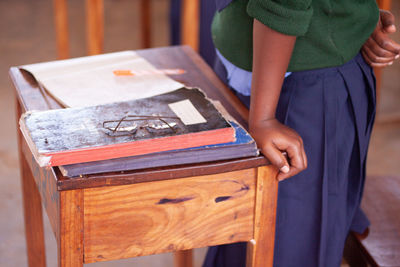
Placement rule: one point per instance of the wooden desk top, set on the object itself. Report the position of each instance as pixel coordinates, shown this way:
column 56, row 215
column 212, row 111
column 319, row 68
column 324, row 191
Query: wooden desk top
column 198, row 74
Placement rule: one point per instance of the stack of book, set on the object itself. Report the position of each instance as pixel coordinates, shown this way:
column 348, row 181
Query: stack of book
column 169, row 127
column 178, row 127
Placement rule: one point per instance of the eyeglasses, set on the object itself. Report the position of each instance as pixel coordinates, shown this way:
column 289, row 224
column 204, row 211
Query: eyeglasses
column 129, row 125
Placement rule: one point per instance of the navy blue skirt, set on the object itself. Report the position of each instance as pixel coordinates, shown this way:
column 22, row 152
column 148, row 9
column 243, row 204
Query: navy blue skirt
column 333, row 110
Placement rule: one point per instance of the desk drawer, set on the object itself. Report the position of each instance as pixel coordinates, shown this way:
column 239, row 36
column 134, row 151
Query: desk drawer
column 157, row 217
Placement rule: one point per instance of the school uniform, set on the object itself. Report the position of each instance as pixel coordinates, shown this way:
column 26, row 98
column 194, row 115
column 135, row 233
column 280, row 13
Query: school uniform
column 328, row 97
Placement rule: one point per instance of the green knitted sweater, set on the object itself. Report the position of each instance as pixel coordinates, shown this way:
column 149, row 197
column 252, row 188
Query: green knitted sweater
column 329, row 32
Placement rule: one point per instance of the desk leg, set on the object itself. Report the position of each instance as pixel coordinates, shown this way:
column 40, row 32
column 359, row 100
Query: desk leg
column 70, row 240
column 260, row 250
column 183, row 258
column 33, row 216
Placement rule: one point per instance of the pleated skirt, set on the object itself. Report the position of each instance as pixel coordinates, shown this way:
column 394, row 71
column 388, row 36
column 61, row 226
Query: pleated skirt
column 333, row 110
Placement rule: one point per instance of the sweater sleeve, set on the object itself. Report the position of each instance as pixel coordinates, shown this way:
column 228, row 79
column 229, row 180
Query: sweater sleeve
column 291, row 17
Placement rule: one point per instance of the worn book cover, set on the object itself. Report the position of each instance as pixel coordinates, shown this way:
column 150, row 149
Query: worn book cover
column 243, row 146
column 180, row 119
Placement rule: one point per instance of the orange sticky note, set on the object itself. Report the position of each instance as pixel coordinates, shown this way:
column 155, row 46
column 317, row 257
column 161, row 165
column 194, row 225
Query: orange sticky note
column 123, row 73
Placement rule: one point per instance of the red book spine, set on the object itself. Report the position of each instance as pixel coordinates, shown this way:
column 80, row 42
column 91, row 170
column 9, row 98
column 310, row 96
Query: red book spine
column 141, row 147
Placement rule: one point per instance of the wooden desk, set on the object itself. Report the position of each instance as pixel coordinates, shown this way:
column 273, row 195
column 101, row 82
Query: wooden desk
column 135, row 213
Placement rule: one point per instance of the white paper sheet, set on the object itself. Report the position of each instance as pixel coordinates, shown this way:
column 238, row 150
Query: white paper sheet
column 89, row 81
column 186, row 112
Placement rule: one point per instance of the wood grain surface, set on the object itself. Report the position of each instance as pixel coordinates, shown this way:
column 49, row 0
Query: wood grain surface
column 33, row 213
column 198, row 74
column 29, row 94
column 168, row 215
column 70, row 241
column 158, row 174
column 45, row 179
column 208, row 208
column 33, row 216
column 261, row 248
column 46, row 184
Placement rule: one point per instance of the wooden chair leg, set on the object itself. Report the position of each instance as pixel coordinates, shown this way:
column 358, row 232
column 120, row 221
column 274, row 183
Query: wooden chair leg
column 61, row 26
column 384, row 4
column 145, row 23
column 352, row 253
column 95, row 26
column 378, row 76
column 190, row 23
column 183, row 258
column 33, row 213
column 260, row 250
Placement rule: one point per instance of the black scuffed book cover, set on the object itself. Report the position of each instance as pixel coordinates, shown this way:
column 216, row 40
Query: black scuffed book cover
column 78, row 135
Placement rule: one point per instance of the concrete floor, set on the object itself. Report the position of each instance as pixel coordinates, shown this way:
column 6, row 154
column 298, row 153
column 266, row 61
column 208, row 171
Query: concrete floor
column 27, row 36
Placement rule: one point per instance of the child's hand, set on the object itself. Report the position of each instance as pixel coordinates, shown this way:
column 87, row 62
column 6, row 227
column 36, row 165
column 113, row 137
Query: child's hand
column 274, row 139
column 380, row 50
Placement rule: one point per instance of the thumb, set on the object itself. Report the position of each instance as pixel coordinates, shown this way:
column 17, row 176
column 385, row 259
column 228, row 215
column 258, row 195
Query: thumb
column 387, row 20
column 277, row 158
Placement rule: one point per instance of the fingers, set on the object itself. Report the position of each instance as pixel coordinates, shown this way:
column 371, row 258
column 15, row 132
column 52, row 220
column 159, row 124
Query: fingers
column 374, row 57
column 297, row 159
column 387, row 20
column 304, row 157
column 380, row 51
column 372, row 63
column 282, row 146
column 374, row 60
column 277, row 158
column 380, row 41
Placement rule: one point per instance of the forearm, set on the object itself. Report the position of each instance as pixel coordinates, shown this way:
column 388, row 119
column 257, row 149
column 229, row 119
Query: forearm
column 271, row 55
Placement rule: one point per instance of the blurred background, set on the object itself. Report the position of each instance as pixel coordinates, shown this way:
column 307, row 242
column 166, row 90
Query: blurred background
column 27, row 35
